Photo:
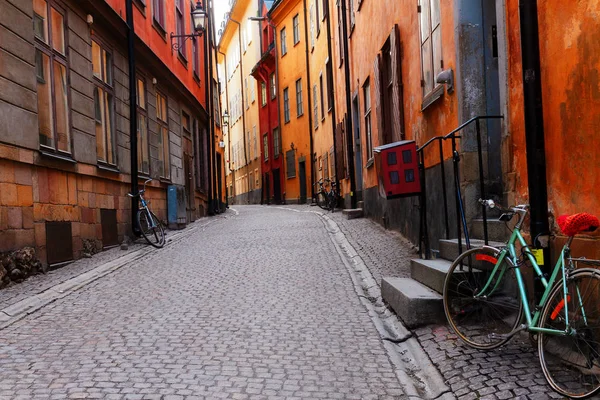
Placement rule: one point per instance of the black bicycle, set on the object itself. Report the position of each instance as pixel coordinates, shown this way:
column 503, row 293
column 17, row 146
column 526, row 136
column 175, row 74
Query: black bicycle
column 149, row 224
column 327, row 199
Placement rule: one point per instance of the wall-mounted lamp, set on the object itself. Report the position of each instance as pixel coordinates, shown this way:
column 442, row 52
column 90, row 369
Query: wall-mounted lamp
column 154, row 81
column 226, row 118
column 90, row 19
column 199, row 18
column 447, row 77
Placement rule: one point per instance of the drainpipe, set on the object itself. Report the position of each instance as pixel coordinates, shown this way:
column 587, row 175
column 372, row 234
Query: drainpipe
column 534, row 131
column 211, row 111
column 209, row 136
column 310, row 107
column 349, row 134
column 331, row 96
column 133, row 120
column 243, row 103
column 228, row 129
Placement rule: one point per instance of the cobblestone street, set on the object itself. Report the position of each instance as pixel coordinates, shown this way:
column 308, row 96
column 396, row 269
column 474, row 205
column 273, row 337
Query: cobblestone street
column 256, row 305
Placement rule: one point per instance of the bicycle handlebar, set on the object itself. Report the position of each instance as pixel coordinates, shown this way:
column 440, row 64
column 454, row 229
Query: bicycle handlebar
column 521, row 208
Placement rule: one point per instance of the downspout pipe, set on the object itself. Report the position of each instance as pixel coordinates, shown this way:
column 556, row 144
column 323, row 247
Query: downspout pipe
column 534, row 130
column 211, row 111
column 331, row 96
column 133, row 120
column 310, row 107
column 349, row 134
column 228, row 130
column 209, row 136
column 243, row 102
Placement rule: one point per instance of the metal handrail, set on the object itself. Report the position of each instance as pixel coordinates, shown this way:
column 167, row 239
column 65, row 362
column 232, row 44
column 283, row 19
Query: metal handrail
column 461, row 218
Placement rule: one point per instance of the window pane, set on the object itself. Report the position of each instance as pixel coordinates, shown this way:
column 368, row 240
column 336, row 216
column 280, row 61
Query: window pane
column 100, row 110
column 143, row 159
column 61, row 107
column 58, row 32
column 108, row 113
column 107, row 62
column 141, row 94
column 44, row 91
column 97, row 60
column 437, row 51
column 40, row 20
column 427, row 67
column 435, row 13
column 425, row 21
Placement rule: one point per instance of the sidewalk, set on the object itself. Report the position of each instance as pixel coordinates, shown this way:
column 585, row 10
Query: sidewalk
column 510, row 372
column 19, row 300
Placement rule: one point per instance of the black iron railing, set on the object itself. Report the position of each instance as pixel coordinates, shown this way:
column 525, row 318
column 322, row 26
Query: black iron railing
column 461, row 221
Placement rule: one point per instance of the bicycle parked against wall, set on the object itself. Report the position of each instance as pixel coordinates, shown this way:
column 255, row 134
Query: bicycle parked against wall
column 327, row 199
column 485, row 299
column 149, row 224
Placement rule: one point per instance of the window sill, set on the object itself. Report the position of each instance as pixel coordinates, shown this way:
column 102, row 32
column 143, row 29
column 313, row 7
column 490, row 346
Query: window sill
column 142, row 176
column 291, row 177
column 182, row 59
column 197, row 78
column 370, row 163
column 432, row 97
column 164, row 180
column 284, row 54
column 58, row 156
column 140, row 6
column 108, row 168
column 159, row 29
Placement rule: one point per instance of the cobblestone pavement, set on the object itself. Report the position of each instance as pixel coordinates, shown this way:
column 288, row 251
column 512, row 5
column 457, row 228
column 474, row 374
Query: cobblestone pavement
column 256, row 305
column 510, row 372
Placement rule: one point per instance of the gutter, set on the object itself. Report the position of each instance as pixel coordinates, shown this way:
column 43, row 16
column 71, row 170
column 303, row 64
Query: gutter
column 310, row 107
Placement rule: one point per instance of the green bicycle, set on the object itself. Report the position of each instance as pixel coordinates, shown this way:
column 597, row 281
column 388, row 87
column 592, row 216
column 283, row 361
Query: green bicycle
column 485, row 299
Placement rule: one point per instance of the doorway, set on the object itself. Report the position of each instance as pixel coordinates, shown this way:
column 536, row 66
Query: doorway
column 219, row 183
column 302, row 176
column 276, row 186
column 357, row 148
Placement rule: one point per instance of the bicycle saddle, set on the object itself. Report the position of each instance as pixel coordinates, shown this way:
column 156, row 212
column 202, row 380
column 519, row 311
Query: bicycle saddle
column 571, row 225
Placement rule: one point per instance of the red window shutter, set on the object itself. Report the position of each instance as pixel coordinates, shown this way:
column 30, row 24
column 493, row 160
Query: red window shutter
column 397, row 105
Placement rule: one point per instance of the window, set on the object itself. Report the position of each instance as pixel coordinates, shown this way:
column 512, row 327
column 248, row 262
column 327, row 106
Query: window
column 325, row 9
column 246, row 92
column 312, row 26
column 431, row 43
column 317, row 18
column 249, row 146
column 290, row 162
column 299, row 104
column 276, row 143
column 163, row 136
column 367, row 103
column 186, row 123
column 340, row 33
column 282, row 36
column 256, row 175
column 315, row 108
column 273, row 87
column 322, row 97
column 216, row 104
column 286, row 105
column 142, row 126
column 51, row 73
column 266, row 146
column 255, row 142
column 158, row 12
column 263, row 93
column 352, row 14
column 296, row 22
column 330, row 94
column 251, row 180
column 252, row 89
column 179, row 13
column 103, row 104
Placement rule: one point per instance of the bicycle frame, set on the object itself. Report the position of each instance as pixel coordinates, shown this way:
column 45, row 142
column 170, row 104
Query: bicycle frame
column 510, row 252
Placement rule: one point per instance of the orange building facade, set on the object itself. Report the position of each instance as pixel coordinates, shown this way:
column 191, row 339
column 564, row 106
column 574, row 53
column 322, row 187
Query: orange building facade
column 65, row 164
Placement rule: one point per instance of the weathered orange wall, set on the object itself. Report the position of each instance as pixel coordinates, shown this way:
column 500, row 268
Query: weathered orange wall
column 292, row 67
column 148, row 34
column 570, row 65
column 374, row 23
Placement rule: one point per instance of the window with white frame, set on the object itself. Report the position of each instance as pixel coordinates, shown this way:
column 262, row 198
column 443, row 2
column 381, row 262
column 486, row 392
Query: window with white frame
column 367, row 117
column 296, row 23
column 299, row 102
column 431, row 43
column 283, row 40
column 273, row 86
column 103, row 103
column 286, row 105
column 276, row 143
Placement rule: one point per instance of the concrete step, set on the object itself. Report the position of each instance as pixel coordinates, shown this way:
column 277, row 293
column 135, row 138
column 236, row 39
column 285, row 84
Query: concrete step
column 497, row 230
column 431, row 273
column 413, row 302
column 449, row 248
column 360, row 204
column 352, row 213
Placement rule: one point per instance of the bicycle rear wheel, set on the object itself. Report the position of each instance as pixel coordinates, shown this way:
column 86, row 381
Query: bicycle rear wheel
column 481, row 309
column 151, row 228
column 571, row 363
column 323, row 200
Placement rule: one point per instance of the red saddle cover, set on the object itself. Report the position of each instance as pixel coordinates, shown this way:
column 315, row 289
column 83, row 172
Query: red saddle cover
column 571, row 225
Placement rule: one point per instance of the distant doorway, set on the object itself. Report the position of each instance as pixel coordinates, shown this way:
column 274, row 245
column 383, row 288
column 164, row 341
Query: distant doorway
column 277, row 186
column 357, row 148
column 302, row 176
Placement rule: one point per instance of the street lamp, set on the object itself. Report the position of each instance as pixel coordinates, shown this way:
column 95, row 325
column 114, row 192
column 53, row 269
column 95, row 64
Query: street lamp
column 226, row 118
column 199, row 18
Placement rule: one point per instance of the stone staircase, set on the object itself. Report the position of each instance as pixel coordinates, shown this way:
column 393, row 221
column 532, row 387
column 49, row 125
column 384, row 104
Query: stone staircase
column 418, row 300
column 352, row 213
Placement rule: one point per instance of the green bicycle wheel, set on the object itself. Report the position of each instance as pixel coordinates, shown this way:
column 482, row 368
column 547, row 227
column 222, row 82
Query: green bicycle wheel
column 571, row 362
column 483, row 310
